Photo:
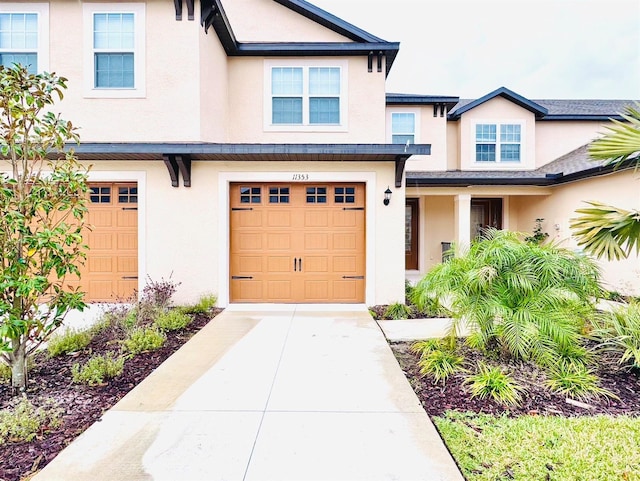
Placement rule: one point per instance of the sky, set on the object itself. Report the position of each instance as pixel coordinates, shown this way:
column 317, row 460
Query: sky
column 540, row 49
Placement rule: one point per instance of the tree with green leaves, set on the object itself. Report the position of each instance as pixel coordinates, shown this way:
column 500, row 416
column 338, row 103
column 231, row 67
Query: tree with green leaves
column 43, row 192
column 607, row 231
column 524, row 299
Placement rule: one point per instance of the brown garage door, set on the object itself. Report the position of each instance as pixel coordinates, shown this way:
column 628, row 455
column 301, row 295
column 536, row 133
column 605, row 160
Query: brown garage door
column 110, row 272
column 297, row 243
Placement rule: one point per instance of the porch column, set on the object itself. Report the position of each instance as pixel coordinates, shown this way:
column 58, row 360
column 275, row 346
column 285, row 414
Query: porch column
column 462, row 220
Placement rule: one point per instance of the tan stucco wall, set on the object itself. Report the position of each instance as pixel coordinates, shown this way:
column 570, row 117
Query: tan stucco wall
column 430, row 130
column 557, row 138
column 365, row 122
column 620, row 189
column 268, row 21
column 170, row 109
column 184, row 231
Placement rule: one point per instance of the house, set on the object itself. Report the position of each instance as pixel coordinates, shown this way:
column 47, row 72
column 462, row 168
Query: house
column 266, row 163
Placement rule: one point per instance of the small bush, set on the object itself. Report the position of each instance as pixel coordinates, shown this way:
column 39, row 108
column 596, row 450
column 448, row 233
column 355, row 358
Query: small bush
column 397, row 311
column 159, row 293
column 440, row 364
column 576, row 381
column 619, row 332
column 493, row 382
column 203, row 306
column 426, row 346
column 143, row 339
column 173, row 320
column 72, row 340
column 23, row 421
column 98, row 369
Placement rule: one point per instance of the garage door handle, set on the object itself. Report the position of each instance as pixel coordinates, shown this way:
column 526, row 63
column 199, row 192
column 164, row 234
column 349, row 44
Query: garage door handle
column 295, row 264
column 353, row 277
column 242, row 208
column 353, row 208
column 300, row 264
column 129, row 277
column 241, row 277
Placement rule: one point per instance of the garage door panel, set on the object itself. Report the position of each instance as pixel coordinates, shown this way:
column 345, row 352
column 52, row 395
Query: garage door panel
column 128, row 265
column 100, row 265
column 100, row 241
column 101, row 218
column 303, row 239
column 128, row 241
column 127, row 218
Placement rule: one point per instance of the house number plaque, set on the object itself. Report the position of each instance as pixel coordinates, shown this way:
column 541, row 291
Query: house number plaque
column 300, row 177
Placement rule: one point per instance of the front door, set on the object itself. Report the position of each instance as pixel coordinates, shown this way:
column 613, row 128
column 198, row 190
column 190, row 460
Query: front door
column 411, row 234
column 297, row 243
column 485, row 213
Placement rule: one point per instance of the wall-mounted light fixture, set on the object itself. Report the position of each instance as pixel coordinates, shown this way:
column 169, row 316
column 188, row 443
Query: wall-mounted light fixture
column 387, row 196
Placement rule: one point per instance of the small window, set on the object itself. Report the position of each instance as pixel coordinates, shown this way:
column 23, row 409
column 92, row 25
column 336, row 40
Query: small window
column 345, row 195
column 113, row 44
column 316, row 195
column 250, row 195
column 491, row 147
column 403, row 128
column 278, row 195
column 128, row 195
column 19, row 40
column 100, row 195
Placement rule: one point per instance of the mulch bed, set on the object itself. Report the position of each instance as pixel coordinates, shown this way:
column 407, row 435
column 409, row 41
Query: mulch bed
column 50, row 379
column 437, row 398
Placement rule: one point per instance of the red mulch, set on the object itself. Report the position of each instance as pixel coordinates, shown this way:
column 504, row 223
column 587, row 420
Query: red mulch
column 50, row 379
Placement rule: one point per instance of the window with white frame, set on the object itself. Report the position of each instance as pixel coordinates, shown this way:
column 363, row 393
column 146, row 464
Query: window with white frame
column 306, row 96
column 115, row 50
column 498, row 142
column 24, row 35
column 403, row 128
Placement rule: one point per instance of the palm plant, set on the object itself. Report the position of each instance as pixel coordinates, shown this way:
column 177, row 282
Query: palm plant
column 524, row 299
column 603, row 230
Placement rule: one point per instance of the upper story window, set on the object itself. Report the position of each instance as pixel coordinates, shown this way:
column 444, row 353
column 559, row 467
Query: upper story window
column 403, row 128
column 498, row 143
column 115, row 50
column 305, row 97
column 24, row 35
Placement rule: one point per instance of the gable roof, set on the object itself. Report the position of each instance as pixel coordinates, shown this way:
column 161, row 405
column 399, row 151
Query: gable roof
column 364, row 43
column 503, row 92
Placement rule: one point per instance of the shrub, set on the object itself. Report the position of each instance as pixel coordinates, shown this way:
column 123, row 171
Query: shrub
column 173, row 320
column 619, row 332
column 440, row 364
column 72, row 340
column 143, row 339
column 23, row 421
column 576, row 381
column 397, row 311
column 203, row 306
column 159, row 293
column 525, row 299
column 98, row 369
column 492, row 382
column 426, row 346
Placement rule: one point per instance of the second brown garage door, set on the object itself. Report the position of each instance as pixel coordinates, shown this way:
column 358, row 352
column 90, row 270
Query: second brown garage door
column 297, row 243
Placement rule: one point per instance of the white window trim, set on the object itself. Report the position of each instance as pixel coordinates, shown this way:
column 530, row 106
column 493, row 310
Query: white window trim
column 306, row 127
column 139, row 89
column 400, row 110
column 42, row 10
column 507, row 164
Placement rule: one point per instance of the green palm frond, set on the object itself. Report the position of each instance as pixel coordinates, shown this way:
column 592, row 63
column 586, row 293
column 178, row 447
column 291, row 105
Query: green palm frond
column 622, row 140
column 607, row 231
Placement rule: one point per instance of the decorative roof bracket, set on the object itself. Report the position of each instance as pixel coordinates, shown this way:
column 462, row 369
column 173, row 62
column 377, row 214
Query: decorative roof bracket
column 178, row 164
column 401, row 161
column 190, row 9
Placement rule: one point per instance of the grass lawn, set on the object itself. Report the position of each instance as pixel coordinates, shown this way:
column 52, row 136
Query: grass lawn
column 586, row 448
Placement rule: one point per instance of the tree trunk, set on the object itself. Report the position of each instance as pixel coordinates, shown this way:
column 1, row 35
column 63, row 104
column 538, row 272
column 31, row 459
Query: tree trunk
column 19, row 368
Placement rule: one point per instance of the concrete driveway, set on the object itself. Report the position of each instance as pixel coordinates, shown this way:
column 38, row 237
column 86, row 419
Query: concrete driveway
column 278, row 393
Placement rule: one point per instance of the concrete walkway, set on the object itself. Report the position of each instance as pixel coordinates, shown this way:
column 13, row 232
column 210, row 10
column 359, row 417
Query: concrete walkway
column 292, row 393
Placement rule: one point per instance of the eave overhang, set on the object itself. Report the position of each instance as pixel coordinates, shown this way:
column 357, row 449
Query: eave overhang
column 178, row 157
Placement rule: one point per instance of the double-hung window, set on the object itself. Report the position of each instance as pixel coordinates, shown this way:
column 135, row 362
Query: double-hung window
column 403, row 128
column 115, row 41
column 114, row 50
column 20, row 36
column 498, row 143
column 306, row 96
